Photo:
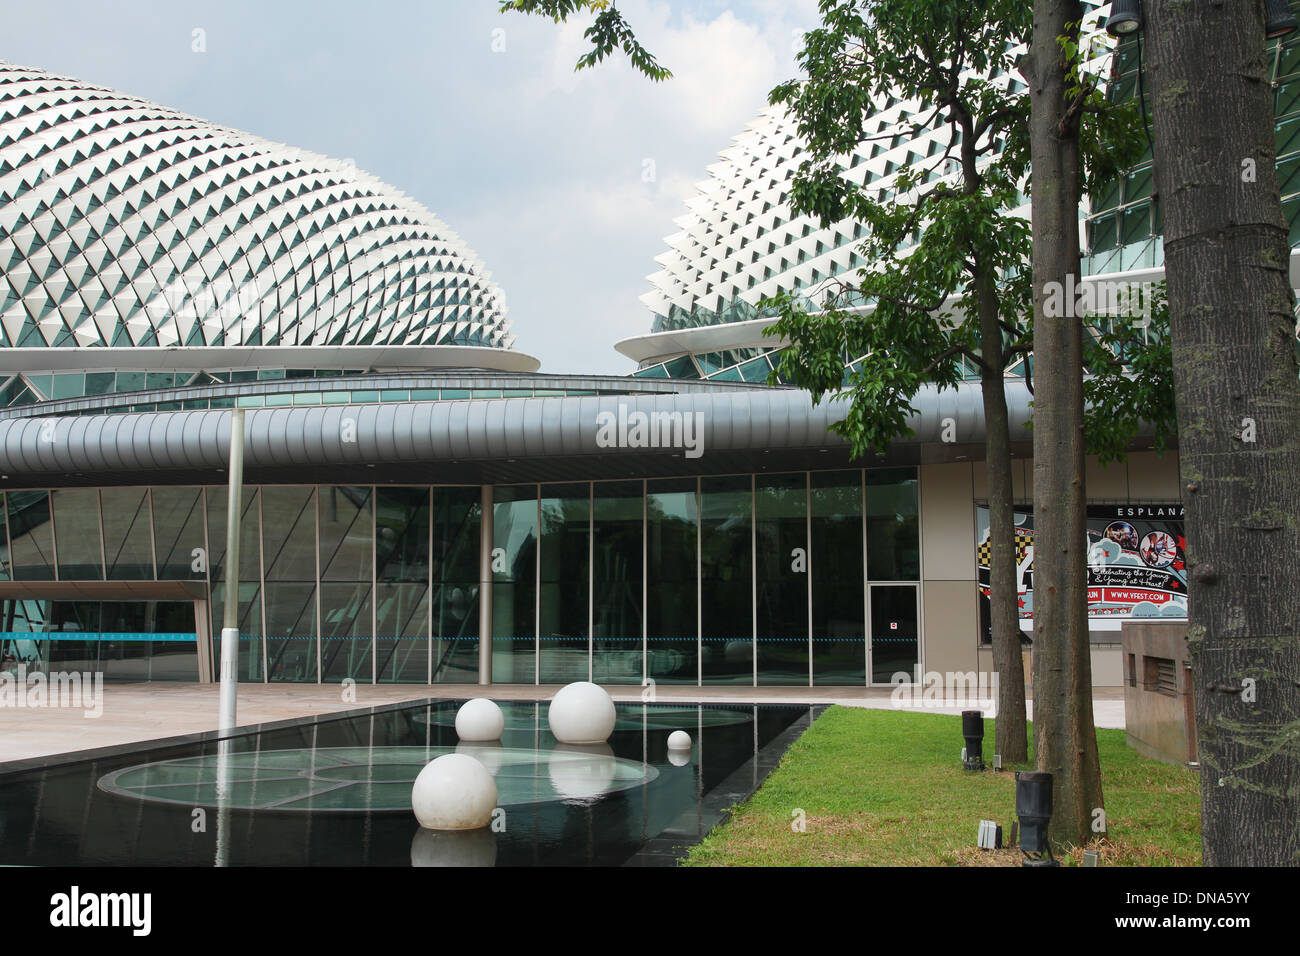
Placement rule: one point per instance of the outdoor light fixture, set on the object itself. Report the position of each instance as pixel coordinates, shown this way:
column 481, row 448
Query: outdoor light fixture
column 1034, row 810
column 1278, row 19
column 972, row 728
column 1125, row 18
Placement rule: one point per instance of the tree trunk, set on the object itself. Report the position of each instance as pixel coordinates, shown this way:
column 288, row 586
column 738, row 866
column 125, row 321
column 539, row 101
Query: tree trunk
column 1235, row 376
column 1004, row 609
column 1065, row 742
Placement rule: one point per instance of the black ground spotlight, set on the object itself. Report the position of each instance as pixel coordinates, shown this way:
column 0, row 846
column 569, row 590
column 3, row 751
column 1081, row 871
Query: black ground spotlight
column 972, row 728
column 1034, row 810
column 1125, row 18
column 1278, row 19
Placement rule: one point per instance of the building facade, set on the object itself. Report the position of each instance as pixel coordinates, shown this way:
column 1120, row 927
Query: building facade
column 420, row 504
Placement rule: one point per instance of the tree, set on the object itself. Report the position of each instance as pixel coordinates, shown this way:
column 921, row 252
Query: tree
column 1232, row 323
column 943, row 249
column 1065, row 740
column 607, row 32
column 1131, row 384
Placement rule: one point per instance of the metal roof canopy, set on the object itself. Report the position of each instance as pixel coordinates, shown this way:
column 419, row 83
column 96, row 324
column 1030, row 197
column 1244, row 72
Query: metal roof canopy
column 480, row 441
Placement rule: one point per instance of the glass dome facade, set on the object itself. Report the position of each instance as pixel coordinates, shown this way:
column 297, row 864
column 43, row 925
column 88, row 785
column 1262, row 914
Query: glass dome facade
column 127, row 224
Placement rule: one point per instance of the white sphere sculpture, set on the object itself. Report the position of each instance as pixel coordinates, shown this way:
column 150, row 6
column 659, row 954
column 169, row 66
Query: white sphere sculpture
column 479, row 720
column 454, row 792
column 679, row 740
column 679, row 758
column 582, row 713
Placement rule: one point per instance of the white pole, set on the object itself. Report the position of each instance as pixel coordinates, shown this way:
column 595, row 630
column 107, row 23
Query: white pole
column 230, row 617
column 485, row 586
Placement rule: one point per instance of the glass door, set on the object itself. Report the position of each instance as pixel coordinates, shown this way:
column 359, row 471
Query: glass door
column 894, row 632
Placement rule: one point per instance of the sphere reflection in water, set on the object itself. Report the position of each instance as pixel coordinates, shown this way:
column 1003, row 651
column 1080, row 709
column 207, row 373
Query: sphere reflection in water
column 454, row 847
column 491, row 754
column 582, row 771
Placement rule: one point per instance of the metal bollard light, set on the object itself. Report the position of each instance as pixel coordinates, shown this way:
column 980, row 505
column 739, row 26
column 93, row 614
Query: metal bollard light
column 972, row 729
column 1034, row 810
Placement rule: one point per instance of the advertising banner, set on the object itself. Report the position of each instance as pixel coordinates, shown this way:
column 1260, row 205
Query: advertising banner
column 1135, row 562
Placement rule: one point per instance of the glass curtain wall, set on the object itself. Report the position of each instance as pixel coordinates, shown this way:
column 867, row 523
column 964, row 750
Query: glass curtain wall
column 616, row 582
column 727, row 579
column 839, row 645
column 456, row 516
column 806, row 577
column 347, row 526
column 672, row 584
column 514, row 583
column 251, row 661
column 77, row 539
column 128, row 542
column 180, row 545
column 402, row 569
column 781, row 557
column 289, row 560
column 564, row 598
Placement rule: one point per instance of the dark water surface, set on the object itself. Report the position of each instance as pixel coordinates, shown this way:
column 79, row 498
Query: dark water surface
column 336, row 792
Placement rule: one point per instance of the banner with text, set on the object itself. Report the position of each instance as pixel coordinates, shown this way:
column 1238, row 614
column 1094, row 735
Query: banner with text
column 1135, row 562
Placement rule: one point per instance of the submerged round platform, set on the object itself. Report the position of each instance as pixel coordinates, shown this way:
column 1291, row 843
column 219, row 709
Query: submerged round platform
column 530, row 716
column 371, row 779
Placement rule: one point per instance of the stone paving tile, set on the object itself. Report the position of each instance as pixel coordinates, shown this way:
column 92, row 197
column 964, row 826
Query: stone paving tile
column 137, row 712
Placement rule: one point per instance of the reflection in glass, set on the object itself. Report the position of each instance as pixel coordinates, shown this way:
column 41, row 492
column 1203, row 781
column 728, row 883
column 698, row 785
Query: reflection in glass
column 31, row 539
column 178, row 530
column 839, row 637
column 402, row 623
column 514, row 584
column 563, row 605
column 671, row 584
column 456, row 517
column 781, row 523
column 345, row 631
column 727, row 579
column 346, row 560
column 616, row 582
column 893, row 538
column 402, row 569
column 250, row 578
column 128, row 551
column 123, row 640
column 288, row 555
column 76, row 528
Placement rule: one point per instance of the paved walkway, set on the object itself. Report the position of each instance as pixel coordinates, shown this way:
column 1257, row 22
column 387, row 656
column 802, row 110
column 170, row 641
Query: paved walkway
column 139, row 712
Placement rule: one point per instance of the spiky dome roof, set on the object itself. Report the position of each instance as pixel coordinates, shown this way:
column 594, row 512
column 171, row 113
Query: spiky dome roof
column 124, row 223
column 740, row 241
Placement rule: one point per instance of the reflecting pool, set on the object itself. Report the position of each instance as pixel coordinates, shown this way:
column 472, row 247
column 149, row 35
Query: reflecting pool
column 335, row 791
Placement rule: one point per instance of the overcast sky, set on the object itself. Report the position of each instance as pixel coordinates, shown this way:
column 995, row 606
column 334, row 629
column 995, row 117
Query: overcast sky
column 476, row 114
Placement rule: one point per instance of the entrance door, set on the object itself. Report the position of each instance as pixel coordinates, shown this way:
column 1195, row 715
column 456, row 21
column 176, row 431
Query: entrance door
column 894, row 631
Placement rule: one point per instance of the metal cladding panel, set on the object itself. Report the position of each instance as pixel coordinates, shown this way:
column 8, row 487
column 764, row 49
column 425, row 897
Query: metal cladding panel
column 496, row 429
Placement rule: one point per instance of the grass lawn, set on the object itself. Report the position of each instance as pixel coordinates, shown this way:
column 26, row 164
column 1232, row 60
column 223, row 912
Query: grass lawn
column 886, row 788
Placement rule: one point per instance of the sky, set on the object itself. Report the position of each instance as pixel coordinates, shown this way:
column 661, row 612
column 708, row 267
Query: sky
column 564, row 183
